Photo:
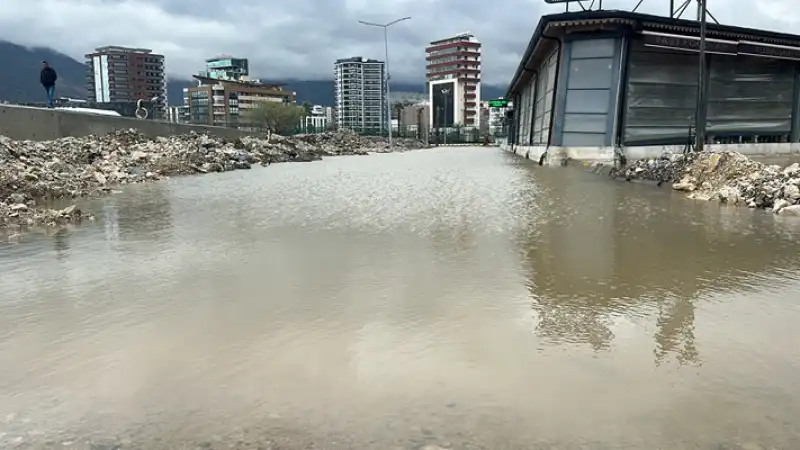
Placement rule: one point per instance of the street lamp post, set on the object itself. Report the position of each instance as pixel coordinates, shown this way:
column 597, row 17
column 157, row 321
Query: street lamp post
column 700, row 112
column 385, row 27
column 444, row 121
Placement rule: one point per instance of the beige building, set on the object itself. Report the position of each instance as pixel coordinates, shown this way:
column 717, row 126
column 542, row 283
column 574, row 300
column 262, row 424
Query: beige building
column 225, row 103
column 415, row 118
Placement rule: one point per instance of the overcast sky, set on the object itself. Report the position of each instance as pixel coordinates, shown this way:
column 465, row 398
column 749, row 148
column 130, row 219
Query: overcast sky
column 302, row 38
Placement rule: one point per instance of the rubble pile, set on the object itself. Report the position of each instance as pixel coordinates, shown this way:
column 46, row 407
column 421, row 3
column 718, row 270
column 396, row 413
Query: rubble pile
column 736, row 179
column 669, row 168
column 34, row 173
column 728, row 177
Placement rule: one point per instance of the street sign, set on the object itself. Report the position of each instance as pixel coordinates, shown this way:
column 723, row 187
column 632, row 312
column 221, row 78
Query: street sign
column 498, row 103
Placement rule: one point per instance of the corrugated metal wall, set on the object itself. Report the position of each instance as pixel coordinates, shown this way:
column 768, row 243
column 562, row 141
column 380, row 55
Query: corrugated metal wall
column 543, row 106
column 590, row 83
column 746, row 96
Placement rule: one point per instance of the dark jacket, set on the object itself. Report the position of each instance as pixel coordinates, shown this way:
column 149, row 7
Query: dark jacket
column 48, row 77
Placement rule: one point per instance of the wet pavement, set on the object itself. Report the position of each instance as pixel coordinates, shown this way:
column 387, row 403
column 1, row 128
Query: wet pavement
column 460, row 298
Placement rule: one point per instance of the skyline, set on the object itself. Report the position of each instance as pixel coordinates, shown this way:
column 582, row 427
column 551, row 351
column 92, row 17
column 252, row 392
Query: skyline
column 292, row 39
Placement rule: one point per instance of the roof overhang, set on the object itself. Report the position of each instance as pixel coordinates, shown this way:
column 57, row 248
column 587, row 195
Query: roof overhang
column 557, row 25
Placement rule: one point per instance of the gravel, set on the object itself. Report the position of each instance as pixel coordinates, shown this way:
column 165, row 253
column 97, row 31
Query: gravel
column 33, row 174
column 728, row 177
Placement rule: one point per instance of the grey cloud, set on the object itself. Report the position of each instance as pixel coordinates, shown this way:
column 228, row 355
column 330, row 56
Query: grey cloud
column 302, row 38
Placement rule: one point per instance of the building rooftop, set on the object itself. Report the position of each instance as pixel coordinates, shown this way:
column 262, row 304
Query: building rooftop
column 464, row 35
column 119, row 48
column 220, row 57
column 638, row 22
column 251, row 83
column 358, row 59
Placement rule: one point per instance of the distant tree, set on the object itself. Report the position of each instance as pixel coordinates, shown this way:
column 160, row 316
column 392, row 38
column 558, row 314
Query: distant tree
column 307, row 108
column 398, row 107
column 280, row 118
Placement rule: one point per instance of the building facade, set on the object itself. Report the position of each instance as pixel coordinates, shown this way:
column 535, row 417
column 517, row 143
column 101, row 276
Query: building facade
column 492, row 118
column 316, row 120
column 594, row 83
column 227, row 98
column 226, row 67
column 124, row 75
column 360, row 91
column 453, row 73
column 415, row 119
column 226, row 103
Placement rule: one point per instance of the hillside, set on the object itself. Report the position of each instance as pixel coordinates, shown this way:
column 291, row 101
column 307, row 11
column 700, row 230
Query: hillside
column 320, row 92
column 20, row 81
column 22, row 84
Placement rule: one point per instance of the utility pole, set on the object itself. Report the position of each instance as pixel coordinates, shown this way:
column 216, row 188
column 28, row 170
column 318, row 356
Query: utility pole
column 700, row 113
column 444, row 121
column 387, row 76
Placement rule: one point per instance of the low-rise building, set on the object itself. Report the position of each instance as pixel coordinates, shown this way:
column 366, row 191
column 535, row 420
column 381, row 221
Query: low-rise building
column 226, row 103
column 316, row 121
column 492, row 118
column 225, row 94
column 594, row 84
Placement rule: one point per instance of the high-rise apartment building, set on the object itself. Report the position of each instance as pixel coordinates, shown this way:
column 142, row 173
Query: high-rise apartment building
column 360, row 89
column 454, row 81
column 124, row 75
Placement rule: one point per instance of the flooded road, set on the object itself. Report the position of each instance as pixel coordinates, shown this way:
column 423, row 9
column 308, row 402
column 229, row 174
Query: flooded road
column 459, row 298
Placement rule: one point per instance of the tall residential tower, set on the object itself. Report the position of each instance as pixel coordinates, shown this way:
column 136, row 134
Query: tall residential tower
column 360, row 90
column 124, row 75
column 454, row 80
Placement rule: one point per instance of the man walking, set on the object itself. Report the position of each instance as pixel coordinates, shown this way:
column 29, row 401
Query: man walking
column 48, row 79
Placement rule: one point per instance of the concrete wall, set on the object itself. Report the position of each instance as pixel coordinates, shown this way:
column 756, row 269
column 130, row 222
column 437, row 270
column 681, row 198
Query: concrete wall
column 40, row 124
column 605, row 154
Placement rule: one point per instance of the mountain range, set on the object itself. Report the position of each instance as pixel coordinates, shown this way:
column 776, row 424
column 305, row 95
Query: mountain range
column 21, row 84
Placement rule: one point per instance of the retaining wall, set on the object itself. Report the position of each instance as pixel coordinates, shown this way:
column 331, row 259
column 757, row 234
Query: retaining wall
column 41, row 124
column 556, row 155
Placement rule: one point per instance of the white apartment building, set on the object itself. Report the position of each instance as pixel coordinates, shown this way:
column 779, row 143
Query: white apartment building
column 453, row 71
column 360, row 91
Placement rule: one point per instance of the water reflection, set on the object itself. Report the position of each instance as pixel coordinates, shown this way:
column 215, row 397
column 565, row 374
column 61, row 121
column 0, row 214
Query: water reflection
column 675, row 324
column 457, row 297
column 61, row 243
column 144, row 217
column 600, row 251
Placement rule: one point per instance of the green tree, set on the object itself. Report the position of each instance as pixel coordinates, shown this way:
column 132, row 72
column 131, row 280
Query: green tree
column 280, row 118
column 307, row 108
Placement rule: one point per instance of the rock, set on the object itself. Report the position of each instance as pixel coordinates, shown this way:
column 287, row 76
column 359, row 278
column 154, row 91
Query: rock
column 793, row 210
column 791, row 191
column 17, row 197
column 779, row 205
column 729, row 177
column 729, row 194
column 138, row 156
column 792, row 170
column 76, row 167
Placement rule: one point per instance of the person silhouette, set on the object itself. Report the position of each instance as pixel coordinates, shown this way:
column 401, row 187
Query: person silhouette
column 48, row 78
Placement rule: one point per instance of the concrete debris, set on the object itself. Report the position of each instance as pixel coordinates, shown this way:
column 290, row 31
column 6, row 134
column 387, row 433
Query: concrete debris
column 33, row 174
column 669, row 168
column 727, row 177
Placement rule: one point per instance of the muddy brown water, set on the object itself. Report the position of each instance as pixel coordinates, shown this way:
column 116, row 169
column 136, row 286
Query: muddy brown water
column 461, row 298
